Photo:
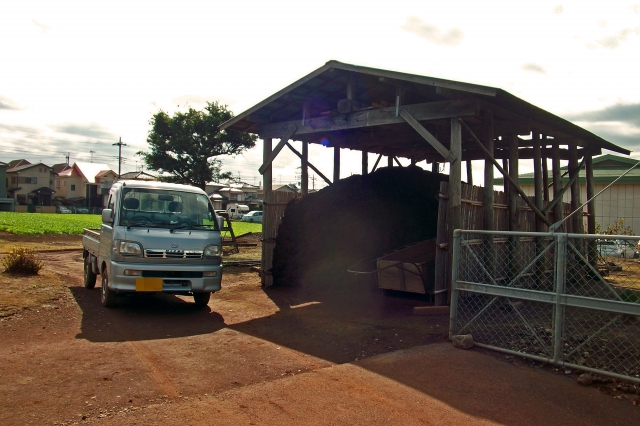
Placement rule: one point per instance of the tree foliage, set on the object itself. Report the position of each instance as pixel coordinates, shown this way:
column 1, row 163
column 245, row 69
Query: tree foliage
column 183, row 147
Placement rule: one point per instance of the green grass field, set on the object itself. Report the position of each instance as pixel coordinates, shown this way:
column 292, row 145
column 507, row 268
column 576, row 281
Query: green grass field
column 43, row 223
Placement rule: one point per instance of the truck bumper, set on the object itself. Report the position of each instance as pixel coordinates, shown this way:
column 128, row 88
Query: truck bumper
column 175, row 278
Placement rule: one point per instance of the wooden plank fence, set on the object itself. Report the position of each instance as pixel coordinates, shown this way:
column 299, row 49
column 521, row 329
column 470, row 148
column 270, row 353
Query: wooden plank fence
column 472, row 214
column 274, row 203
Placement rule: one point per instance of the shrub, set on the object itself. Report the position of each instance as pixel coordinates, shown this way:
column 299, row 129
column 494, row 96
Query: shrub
column 22, row 260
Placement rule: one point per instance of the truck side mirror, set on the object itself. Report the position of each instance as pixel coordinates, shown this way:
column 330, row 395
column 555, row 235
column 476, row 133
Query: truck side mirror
column 107, row 216
column 220, row 220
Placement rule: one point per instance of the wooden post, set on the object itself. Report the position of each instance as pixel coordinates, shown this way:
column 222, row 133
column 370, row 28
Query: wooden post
column 390, row 161
column 469, row 172
column 488, row 197
column 538, row 269
column 365, row 163
column 557, row 182
column 537, row 178
column 591, row 210
column 434, row 167
column 267, row 176
column 336, row 164
column 578, row 224
column 455, row 195
column 513, row 205
column 267, row 182
column 505, row 166
column 304, row 170
column 545, row 170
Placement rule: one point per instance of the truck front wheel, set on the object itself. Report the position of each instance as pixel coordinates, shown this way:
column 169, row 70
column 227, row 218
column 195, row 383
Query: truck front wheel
column 89, row 276
column 201, row 299
column 108, row 296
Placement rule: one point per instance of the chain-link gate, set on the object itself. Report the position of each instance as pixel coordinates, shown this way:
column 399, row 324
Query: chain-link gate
column 566, row 299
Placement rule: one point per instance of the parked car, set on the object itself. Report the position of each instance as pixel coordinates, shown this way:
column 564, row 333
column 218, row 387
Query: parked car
column 255, row 216
column 610, row 248
column 628, row 248
column 63, row 209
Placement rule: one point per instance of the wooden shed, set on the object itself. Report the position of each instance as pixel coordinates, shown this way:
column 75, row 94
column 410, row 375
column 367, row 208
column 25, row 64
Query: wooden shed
column 420, row 118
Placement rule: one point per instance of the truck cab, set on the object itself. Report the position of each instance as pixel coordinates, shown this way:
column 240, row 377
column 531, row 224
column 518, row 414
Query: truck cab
column 155, row 237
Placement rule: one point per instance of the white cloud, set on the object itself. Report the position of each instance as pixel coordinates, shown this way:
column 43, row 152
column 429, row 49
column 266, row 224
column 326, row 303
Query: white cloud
column 417, row 26
column 42, row 27
column 532, row 67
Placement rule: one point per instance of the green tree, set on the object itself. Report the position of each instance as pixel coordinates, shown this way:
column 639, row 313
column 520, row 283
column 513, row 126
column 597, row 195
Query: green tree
column 183, row 147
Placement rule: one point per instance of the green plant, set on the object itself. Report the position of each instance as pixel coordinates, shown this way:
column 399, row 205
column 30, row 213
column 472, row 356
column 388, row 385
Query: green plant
column 617, row 228
column 21, row 260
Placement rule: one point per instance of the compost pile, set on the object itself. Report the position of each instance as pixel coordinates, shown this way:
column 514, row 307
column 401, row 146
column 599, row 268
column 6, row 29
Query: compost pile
column 357, row 219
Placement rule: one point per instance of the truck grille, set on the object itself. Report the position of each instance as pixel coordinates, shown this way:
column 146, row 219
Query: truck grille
column 173, row 254
column 171, row 274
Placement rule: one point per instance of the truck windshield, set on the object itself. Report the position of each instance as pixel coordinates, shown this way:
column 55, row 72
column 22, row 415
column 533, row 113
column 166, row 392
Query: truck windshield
column 158, row 208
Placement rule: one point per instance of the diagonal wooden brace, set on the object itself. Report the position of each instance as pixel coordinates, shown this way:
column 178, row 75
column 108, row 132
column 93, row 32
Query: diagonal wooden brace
column 428, row 136
column 283, row 141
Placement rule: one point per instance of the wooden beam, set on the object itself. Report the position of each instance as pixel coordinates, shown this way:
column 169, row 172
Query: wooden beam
column 413, row 122
column 390, row 161
column 469, row 172
column 311, row 166
column 283, row 141
column 397, row 161
column 508, row 178
column 375, row 166
column 373, row 117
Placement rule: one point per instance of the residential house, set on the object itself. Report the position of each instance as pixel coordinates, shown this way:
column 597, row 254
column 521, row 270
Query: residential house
column 141, row 175
column 617, row 202
column 243, row 193
column 6, row 204
column 283, row 188
column 30, row 184
column 85, row 184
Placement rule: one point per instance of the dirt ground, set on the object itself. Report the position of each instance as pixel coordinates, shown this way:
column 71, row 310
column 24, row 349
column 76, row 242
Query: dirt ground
column 333, row 354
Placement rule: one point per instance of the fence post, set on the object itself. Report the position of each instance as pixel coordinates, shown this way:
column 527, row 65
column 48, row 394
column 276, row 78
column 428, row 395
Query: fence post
column 561, row 277
column 453, row 308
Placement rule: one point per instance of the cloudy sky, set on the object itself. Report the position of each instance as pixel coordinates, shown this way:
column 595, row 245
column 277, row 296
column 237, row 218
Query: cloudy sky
column 75, row 76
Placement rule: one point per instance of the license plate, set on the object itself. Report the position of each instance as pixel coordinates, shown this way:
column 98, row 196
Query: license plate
column 148, row 284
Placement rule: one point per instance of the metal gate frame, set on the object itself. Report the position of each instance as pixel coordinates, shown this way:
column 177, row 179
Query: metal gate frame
column 471, row 278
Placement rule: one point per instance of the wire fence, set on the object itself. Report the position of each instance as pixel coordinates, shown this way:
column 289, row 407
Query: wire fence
column 566, row 299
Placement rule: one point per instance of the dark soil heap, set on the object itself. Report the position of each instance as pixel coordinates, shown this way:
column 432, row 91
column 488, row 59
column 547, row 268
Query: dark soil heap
column 360, row 217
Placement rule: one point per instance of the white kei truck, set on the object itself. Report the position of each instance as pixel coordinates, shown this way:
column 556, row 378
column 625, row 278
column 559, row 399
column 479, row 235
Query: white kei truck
column 155, row 237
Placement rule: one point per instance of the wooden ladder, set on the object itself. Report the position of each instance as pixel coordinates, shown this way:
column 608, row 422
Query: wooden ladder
column 228, row 237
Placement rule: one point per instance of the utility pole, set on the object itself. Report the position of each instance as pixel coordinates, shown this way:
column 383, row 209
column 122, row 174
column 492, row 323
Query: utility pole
column 91, row 152
column 68, row 154
column 120, row 145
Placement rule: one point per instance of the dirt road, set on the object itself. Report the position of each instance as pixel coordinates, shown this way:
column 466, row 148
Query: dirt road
column 332, row 356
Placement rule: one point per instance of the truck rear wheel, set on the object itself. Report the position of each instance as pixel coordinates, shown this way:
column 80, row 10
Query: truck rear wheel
column 89, row 276
column 108, row 296
column 201, row 299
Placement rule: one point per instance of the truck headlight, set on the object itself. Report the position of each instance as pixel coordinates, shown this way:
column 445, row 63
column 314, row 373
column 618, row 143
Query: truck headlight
column 212, row 251
column 129, row 248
